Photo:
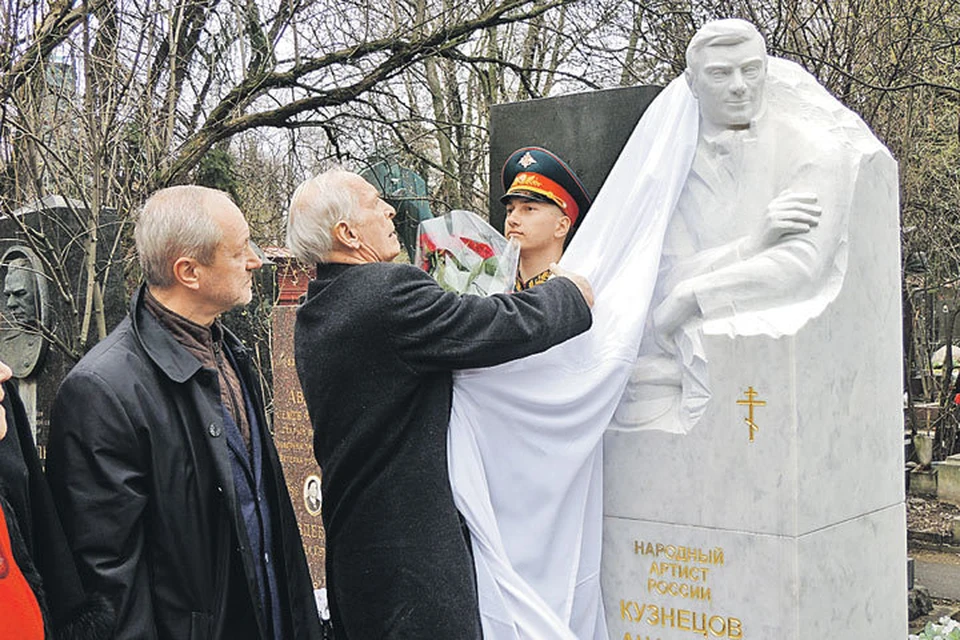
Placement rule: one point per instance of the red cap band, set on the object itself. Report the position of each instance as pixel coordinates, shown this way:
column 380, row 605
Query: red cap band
column 539, row 184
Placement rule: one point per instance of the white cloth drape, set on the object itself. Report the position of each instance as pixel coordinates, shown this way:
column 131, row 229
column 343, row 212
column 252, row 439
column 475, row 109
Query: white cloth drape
column 525, row 437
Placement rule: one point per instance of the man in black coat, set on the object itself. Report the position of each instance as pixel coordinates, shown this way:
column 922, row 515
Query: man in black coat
column 376, row 344
column 160, row 458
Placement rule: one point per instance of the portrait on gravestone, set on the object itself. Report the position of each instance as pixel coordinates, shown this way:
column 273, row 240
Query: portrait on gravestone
column 24, row 311
column 757, row 244
column 311, row 495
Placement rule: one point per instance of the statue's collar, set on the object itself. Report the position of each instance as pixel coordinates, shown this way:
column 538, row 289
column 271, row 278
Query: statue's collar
column 724, row 137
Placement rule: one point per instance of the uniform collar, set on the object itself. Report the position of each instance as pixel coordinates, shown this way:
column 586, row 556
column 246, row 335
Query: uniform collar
column 523, row 285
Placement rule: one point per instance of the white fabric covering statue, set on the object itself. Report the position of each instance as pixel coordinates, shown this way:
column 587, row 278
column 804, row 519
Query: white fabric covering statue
column 754, row 243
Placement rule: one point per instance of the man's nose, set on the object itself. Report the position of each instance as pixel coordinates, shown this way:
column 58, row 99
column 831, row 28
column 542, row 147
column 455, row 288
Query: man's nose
column 390, row 212
column 253, row 260
column 738, row 84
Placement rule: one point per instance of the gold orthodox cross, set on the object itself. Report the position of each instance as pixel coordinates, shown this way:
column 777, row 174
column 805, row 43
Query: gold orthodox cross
column 750, row 403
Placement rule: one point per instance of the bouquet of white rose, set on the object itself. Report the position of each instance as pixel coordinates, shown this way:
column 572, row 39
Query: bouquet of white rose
column 464, row 254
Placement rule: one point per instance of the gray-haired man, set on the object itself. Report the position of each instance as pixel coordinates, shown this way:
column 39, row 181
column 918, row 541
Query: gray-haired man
column 376, row 344
column 167, row 480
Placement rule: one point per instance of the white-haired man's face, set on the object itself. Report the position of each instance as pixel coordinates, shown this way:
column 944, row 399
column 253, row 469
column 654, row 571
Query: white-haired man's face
column 728, row 81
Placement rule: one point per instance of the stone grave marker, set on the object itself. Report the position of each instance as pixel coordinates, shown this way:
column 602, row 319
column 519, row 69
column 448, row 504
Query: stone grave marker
column 781, row 514
column 55, row 243
column 293, row 433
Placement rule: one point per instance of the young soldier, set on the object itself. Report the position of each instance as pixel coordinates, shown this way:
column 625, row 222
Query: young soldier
column 545, row 203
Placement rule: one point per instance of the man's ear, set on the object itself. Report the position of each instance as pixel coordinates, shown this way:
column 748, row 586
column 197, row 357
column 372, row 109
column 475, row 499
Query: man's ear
column 563, row 227
column 185, row 272
column 344, row 235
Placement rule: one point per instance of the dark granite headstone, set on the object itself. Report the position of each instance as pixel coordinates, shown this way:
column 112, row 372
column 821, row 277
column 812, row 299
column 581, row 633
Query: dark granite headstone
column 52, row 230
column 293, row 434
column 587, row 130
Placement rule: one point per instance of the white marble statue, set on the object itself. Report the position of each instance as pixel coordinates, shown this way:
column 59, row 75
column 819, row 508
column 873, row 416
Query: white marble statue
column 757, row 244
column 743, row 175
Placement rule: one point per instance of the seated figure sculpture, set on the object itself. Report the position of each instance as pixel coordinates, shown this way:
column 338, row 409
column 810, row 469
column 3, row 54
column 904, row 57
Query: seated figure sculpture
column 757, row 242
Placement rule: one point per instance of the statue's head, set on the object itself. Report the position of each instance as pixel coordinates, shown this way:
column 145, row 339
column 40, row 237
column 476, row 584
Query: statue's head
column 20, row 292
column 726, row 70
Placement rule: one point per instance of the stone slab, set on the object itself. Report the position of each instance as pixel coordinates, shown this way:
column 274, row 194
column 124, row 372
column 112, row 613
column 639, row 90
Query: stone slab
column 829, row 583
column 293, row 436
column 923, row 483
column 948, row 480
column 939, row 573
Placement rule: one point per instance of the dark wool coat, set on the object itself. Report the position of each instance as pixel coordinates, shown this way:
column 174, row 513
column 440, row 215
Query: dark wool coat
column 40, row 545
column 375, row 347
column 139, row 465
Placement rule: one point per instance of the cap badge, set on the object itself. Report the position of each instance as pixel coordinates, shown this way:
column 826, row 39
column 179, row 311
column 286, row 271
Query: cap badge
column 526, row 160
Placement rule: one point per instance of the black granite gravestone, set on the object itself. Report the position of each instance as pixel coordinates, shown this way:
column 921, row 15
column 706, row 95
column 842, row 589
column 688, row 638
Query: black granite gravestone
column 50, row 235
column 587, row 130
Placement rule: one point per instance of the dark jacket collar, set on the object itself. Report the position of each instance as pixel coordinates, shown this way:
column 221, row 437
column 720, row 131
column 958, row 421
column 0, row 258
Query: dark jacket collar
column 327, row 272
column 163, row 348
column 330, row 270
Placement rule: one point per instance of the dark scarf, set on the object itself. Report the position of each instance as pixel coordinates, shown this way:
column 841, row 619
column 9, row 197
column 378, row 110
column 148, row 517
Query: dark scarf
column 206, row 345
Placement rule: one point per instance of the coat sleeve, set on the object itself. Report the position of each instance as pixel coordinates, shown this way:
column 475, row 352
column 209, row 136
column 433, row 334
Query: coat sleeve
column 98, row 474
column 437, row 330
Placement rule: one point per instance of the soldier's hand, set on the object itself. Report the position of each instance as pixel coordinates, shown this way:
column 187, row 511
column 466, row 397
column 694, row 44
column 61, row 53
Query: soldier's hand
column 788, row 214
column 585, row 289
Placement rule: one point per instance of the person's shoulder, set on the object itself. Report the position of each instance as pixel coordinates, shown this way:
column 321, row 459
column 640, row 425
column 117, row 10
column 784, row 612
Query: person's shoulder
column 370, row 290
column 111, row 359
column 389, row 279
column 393, row 271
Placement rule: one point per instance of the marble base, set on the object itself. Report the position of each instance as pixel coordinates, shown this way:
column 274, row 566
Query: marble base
column 923, row 483
column 830, row 583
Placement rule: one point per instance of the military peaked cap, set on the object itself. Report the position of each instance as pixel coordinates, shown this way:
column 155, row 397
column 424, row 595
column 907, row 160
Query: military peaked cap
column 537, row 174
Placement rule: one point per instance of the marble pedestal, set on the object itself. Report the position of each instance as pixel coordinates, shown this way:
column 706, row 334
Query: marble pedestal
column 793, row 529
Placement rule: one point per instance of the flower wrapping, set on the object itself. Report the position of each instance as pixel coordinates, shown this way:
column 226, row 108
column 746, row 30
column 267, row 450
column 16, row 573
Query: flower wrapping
column 464, row 254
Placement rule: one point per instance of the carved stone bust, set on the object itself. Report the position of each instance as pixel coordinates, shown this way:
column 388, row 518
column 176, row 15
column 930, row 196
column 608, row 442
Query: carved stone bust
column 757, row 243
column 24, row 311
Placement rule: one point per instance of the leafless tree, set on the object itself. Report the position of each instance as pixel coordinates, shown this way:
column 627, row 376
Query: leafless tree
column 277, row 89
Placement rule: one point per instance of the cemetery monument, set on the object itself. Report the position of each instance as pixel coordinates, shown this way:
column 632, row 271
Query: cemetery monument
column 752, row 470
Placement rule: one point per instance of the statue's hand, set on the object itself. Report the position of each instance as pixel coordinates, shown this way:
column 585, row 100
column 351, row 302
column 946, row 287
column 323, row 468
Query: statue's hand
column 678, row 307
column 788, row 214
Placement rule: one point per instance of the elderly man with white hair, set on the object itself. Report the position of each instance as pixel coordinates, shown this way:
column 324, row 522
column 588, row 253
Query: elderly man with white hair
column 376, row 345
